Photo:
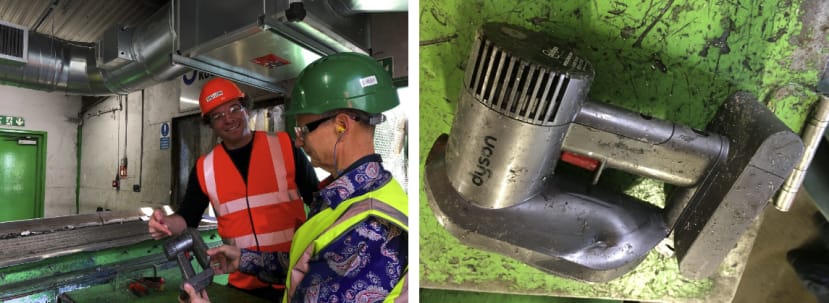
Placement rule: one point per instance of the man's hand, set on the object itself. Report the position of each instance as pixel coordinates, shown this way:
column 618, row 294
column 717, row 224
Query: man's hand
column 224, row 259
column 158, row 228
column 193, row 296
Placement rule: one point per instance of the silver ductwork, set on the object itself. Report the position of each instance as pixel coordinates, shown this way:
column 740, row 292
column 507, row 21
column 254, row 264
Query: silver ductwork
column 261, row 43
column 71, row 67
column 264, row 42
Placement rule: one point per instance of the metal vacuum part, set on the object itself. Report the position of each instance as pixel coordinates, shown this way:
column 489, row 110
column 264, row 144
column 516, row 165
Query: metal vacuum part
column 493, row 182
column 178, row 248
column 492, row 185
column 644, row 146
column 567, row 230
column 522, row 99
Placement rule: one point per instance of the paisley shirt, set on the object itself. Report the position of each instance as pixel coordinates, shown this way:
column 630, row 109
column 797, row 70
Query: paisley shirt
column 363, row 265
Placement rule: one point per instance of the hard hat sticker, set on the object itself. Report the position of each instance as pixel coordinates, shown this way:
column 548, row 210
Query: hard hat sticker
column 368, row 81
column 213, row 96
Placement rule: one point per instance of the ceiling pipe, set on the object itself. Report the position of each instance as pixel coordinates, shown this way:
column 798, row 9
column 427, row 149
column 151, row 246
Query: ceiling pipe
column 45, row 14
column 70, row 67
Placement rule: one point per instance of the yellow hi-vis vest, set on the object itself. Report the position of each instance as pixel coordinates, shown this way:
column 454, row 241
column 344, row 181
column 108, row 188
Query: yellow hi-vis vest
column 388, row 202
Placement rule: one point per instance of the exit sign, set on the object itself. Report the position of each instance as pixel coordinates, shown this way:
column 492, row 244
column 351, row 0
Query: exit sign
column 12, row 121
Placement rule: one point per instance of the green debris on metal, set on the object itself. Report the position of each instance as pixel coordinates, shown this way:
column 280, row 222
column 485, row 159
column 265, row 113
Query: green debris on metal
column 671, row 59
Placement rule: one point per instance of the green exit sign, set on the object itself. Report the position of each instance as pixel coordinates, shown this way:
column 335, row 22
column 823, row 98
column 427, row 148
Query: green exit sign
column 12, row 121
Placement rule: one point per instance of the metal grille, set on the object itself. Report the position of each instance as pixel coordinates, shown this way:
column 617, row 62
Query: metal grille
column 12, row 42
column 515, row 87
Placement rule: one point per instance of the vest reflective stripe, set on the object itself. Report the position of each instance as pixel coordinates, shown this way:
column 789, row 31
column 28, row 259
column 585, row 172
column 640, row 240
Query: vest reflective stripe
column 274, row 238
column 397, row 292
column 279, row 167
column 210, row 180
column 388, row 202
column 255, row 201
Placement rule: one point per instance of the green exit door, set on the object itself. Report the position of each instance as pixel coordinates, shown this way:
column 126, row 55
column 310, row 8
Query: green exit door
column 22, row 172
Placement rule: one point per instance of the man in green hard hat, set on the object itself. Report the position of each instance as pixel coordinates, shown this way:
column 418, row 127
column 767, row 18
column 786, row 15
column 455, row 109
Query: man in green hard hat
column 354, row 246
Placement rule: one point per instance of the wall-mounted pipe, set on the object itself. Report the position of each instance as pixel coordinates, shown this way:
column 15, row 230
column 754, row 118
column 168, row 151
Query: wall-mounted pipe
column 137, row 188
column 78, row 154
column 65, row 66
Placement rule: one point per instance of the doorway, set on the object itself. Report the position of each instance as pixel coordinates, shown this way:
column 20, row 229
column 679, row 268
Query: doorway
column 22, row 174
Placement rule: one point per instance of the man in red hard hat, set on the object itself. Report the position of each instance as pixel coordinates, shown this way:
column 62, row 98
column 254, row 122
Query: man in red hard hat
column 256, row 183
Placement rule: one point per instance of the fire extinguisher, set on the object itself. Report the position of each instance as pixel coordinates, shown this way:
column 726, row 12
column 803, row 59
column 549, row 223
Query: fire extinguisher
column 122, row 170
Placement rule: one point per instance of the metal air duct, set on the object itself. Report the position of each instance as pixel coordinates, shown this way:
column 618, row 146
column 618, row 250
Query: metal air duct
column 71, row 67
column 264, row 42
column 260, row 43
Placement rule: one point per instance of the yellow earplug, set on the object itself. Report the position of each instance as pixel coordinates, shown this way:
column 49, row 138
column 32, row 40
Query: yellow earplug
column 340, row 129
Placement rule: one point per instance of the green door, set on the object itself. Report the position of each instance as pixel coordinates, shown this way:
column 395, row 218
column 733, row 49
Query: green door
column 21, row 175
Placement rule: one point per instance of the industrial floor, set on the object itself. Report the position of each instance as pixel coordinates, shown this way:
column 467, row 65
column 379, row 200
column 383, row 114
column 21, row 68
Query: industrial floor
column 768, row 277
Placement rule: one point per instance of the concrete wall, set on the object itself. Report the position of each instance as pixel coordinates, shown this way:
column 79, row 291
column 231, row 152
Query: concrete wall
column 103, row 146
column 55, row 114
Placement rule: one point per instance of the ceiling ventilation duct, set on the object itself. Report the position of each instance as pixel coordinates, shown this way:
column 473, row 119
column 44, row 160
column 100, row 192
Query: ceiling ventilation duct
column 256, row 42
column 263, row 42
column 51, row 64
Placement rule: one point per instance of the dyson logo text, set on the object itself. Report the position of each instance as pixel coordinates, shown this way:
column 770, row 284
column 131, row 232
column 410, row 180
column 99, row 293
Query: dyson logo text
column 482, row 173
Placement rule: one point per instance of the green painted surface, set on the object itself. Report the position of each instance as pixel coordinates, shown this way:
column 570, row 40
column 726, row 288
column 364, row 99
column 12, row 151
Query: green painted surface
column 105, row 268
column 434, row 296
column 672, row 59
column 22, row 174
column 118, row 291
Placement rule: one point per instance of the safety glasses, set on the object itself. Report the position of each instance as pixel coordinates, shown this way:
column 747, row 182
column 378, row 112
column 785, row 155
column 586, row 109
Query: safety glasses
column 302, row 131
column 233, row 109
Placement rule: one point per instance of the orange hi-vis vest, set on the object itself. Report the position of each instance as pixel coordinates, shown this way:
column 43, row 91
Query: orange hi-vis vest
column 267, row 211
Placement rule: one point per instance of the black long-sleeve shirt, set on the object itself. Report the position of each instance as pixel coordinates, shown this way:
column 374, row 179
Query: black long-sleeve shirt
column 196, row 201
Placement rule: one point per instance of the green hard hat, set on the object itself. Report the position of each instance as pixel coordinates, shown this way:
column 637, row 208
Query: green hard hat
column 343, row 80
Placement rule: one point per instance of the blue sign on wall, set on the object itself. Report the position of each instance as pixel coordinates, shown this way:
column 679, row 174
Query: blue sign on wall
column 165, row 136
column 165, row 129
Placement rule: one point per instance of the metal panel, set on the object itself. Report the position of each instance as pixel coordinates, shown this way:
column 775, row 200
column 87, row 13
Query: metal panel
column 259, row 45
column 14, row 43
column 115, row 47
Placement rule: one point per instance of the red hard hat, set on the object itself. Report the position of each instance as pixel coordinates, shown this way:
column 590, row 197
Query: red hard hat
column 217, row 92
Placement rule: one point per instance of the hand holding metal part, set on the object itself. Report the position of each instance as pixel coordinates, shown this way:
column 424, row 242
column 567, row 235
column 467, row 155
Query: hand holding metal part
column 178, row 248
column 493, row 183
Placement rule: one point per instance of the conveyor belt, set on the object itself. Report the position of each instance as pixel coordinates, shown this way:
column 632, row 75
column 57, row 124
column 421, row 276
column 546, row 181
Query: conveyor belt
column 38, row 239
column 42, row 258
